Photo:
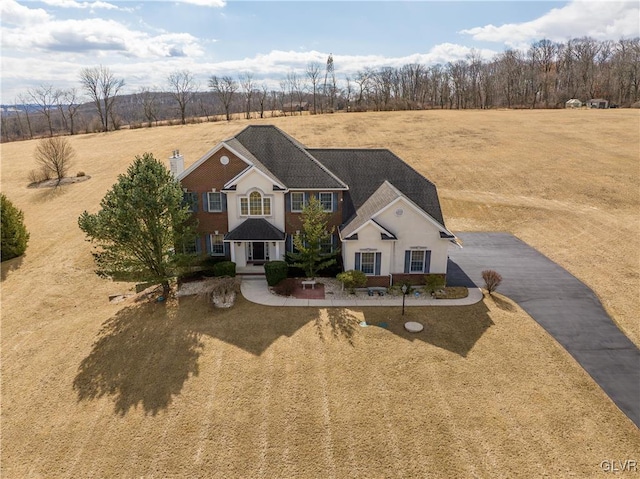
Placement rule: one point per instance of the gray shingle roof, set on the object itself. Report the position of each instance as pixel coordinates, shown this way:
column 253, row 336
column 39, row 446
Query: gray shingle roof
column 364, row 170
column 285, row 158
column 255, row 229
column 384, row 195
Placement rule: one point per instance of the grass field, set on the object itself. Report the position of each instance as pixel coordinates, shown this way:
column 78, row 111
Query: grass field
column 93, row 389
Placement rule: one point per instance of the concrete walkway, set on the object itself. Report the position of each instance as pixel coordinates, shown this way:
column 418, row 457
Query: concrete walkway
column 564, row 306
column 255, row 289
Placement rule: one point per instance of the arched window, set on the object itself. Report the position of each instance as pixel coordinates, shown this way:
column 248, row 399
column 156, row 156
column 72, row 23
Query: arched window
column 255, row 205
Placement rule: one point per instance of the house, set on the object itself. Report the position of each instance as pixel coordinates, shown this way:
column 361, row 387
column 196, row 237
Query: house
column 248, row 193
column 573, row 103
column 598, row 103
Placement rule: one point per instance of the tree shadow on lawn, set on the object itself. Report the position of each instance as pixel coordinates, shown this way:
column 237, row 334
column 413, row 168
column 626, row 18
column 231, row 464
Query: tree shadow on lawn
column 145, row 353
column 456, row 329
column 9, row 266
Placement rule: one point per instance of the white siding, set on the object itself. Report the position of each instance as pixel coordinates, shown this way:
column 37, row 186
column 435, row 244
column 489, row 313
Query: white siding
column 413, row 231
column 255, row 181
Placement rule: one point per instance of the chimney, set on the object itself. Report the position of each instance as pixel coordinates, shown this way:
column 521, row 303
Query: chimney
column 176, row 163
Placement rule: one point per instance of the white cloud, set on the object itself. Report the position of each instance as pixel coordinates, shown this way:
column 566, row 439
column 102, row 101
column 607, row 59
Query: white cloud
column 205, row 3
column 152, row 70
column 13, row 13
column 95, row 36
column 82, row 5
column 601, row 20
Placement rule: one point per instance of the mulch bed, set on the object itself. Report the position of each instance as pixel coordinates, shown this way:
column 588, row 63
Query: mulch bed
column 293, row 287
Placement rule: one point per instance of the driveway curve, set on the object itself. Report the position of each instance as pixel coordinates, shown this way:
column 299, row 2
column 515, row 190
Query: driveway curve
column 564, row 306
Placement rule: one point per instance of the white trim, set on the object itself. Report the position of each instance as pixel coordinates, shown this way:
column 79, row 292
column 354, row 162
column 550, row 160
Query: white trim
column 209, row 210
column 211, row 253
column 304, row 203
column 378, row 226
column 374, row 253
column 208, row 155
column 330, row 210
column 318, row 189
column 426, row 215
column 245, row 172
column 263, row 197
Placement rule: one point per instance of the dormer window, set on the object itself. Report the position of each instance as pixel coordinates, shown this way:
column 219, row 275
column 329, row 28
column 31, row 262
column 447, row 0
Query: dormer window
column 255, row 205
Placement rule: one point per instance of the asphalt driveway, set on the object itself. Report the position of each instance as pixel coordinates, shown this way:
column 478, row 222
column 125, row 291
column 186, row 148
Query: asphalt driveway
column 561, row 304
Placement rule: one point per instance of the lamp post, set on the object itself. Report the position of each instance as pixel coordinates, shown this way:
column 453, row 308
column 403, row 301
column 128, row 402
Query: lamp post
column 404, row 294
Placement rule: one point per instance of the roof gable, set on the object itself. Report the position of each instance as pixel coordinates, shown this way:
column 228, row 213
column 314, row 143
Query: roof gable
column 365, row 170
column 286, row 158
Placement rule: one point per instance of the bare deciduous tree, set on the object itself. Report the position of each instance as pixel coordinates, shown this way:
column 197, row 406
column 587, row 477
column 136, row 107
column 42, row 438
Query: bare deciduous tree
column 45, row 98
column 54, row 155
column 183, row 88
column 246, row 80
column 313, row 74
column 103, row 87
column 224, row 88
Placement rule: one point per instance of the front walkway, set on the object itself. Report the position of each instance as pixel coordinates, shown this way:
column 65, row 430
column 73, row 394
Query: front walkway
column 255, row 289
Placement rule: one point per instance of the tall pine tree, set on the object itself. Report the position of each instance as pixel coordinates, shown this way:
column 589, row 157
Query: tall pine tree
column 142, row 226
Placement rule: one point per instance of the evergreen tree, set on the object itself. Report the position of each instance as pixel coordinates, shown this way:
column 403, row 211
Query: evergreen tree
column 14, row 234
column 142, row 223
column 310, row 256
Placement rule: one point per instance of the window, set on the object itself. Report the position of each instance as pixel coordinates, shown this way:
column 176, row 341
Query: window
column 215, row 201
column 190, row 200
column 190, row 247
column 326, row 245
column 367, row 262
column 217, row 245
column 417, row 262
column 297, row 201
column 255, row 205
column 326, row 200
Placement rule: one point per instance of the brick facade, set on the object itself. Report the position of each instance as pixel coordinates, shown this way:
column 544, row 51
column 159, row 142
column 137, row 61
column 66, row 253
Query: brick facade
column 212, row 174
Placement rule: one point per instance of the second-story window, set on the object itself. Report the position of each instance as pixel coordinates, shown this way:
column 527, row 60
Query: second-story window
column 255, row 205
column 297, row 201
column 215, row 201
column 326, row 200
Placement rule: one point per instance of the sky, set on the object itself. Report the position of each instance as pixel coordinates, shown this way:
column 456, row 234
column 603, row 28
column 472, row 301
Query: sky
column 48, row 42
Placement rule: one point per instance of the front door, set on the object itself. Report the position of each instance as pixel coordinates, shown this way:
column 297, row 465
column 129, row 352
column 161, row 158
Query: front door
column 258, row 251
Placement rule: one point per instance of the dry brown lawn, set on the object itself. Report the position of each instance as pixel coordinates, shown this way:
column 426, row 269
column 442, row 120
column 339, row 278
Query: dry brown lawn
column 93, row 389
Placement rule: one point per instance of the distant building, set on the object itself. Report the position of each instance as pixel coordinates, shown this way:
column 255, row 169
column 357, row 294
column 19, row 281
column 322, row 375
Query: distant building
column 573, row 103
column 598, row 103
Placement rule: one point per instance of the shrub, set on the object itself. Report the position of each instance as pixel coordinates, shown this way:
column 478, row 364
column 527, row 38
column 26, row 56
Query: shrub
column 275, row 271
column 222, row 291
column 286, row 287
column 492, row 280
column 224, row 268
column 14, row 234
column 352, row 279
column 37, row 176
column 80, row 174
column 434, row 282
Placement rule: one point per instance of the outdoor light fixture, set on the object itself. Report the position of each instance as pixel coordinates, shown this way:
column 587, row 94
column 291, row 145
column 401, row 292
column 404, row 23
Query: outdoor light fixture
column 404, row 295
column 238, row 243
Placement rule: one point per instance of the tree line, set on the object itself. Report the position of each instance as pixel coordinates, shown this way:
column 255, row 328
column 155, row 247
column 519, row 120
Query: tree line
column 545, row 76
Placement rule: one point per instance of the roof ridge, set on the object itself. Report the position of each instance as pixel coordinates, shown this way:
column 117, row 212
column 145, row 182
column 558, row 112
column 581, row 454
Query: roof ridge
column 303, row 148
